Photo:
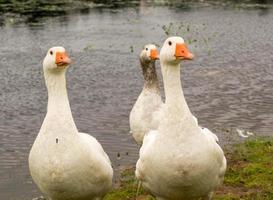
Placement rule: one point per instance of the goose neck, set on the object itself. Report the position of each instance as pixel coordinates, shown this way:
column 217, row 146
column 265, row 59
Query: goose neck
column 58, row 103
column 150, row 76
column 173, row 89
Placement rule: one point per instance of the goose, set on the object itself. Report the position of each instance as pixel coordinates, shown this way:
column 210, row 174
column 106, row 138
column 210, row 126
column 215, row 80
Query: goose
column 177, row 161
column 149, row 100
column 145, row 113
column 206, row 131
column 64, row 163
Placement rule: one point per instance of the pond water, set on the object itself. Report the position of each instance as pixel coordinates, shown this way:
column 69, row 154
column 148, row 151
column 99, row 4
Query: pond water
column 228, row 85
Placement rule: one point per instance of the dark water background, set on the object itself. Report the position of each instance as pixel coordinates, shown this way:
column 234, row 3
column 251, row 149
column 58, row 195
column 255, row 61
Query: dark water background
column 228, row 85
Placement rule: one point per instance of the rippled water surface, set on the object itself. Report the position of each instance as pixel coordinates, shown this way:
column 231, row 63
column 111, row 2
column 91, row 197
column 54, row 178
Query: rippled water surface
column 229, row 84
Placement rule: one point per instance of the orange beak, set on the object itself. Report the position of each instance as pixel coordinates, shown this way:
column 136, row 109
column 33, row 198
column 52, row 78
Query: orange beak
column 154, row 54
column 182, row 52
column 62, row 59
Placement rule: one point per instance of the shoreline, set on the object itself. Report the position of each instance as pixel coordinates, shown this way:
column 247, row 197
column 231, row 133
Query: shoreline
column 248, row 174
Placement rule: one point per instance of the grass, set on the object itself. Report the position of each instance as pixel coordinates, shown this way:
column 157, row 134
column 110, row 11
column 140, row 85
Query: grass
column 250, row 172
column 128, row 188
column 249, row 175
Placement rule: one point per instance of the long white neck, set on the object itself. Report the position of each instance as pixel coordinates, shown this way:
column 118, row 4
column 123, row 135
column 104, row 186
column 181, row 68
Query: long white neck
column 58, row 107
column 175, row 99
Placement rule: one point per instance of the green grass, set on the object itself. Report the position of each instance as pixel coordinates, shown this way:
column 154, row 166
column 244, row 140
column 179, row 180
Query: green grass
column 128, row 188
column 250, row 172
column 249, row 175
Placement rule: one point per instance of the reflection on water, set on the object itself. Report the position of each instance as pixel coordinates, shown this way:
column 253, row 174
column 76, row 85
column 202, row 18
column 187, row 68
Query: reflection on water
column 33, row 12
column 229, row 84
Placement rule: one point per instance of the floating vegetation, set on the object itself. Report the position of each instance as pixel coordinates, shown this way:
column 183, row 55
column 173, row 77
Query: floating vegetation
column 88, row 47
column 192, row 33
column 168, row 28
column 131, row 49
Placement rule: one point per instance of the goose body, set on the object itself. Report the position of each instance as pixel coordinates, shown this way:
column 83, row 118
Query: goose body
column 149, row 100
column 178, row 161
column 66, row 164
column 206, row 131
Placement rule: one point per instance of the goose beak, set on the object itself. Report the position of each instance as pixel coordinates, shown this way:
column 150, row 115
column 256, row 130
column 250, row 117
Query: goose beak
column 182, row 52
column 154, row 54
column 62, row 59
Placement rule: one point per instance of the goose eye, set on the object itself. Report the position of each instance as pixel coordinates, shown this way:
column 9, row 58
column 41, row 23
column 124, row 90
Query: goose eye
column 146, row 49
column 170, row 43
column 51, row 52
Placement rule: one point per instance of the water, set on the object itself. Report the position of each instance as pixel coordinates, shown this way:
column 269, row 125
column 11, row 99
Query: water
column 229, row 84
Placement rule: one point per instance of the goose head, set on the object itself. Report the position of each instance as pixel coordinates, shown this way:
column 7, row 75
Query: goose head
column 174, row 50
column 149, row 54
column 56, row 60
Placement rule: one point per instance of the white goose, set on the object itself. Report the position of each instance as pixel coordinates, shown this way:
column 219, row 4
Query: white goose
column 149, row 99
column 66, row 164
column 206, row 131
column 178, row 161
